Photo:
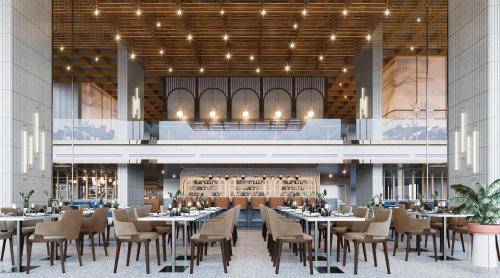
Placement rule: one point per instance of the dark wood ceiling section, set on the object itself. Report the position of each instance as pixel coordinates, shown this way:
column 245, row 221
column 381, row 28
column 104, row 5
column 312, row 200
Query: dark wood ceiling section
column 249, row 33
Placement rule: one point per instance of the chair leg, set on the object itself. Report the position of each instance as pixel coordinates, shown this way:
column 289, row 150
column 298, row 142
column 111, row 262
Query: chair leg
column 278, row 256
column 146, row 253
column 78, row 251
column 338, row 248
column 65, row 249
column 356, row 256
column 138, row 251
column 158, row 251
column 28, row 247
column 396, row 243
column 374, row 250
column 3, row 249
column 191, row 261
column 108, row 228
column 364, row 251
column 105, row 244
column 407, row 246
column 224, row 257
column 164, row 246
column 435, row 247
column 345, row 252
column 452, row 242
column 11, row 247
column 462, row 240
column 61, row 251
column 117, row 256
column 128, row 253
column 386, row 257
column 52, row 253
column 425, row 245
column 48, row 249
column 309, row 246
column 418, row 237
column 92, row 246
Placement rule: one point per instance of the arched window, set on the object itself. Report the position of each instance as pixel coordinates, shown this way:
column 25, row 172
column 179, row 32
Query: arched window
column 213, row 100
column 180, row 100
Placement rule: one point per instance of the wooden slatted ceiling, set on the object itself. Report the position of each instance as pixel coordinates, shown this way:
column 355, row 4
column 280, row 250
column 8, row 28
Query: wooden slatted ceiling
column 85, row 36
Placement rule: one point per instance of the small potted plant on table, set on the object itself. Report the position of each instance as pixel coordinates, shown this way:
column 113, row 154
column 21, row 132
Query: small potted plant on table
column 483, row 204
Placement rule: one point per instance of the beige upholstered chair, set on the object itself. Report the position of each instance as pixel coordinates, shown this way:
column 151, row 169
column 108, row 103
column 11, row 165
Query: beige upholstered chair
column 68, row 228
column 95, row 224
column 126, row 231
column 213, row 232
column 161, row 228
column 263, row 218
column 412, row 226
column 378, row 229
column 285, row 231
column 7, row 230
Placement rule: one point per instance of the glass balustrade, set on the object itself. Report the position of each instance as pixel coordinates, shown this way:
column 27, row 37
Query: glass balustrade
column 312, row 129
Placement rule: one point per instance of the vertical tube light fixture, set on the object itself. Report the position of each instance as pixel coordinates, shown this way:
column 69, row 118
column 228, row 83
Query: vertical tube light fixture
column 474, row 152
column 42, row 150
column 30, row 152
column 25, row 152
column 463, row 131
column 457, row 150
column 36, row 131
column 469, row 150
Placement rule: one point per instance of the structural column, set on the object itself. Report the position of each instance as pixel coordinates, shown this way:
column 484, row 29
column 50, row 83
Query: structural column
column 473, row 91
column 25, row 100
column 131, row 116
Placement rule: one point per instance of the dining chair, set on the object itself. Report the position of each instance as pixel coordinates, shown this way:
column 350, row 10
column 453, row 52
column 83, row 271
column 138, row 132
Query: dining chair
column 409, row 227
column 161, row 228
column 377, row 232
column 7, row 231
column 460, row 227
column 57, row 234
column 95, row 225
column 126, row 231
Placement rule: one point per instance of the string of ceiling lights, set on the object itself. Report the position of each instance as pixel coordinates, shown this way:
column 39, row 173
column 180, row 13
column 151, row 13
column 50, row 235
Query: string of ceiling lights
column 225, row 36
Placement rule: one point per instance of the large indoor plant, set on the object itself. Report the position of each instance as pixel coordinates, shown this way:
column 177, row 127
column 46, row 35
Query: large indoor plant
column 483, row 206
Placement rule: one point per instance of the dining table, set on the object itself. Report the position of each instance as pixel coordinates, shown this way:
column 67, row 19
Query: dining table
column 315, row 218
column 185, row 218
column 19, row 224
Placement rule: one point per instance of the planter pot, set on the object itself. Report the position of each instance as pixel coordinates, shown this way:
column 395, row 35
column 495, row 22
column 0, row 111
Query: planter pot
column 484, row 253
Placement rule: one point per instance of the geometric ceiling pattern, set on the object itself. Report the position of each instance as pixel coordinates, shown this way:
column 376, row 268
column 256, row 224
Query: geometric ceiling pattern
column 239, row 38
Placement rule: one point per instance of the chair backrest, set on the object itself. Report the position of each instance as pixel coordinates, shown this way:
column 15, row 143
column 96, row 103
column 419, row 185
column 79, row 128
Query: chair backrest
column 361, row 212
column 345, row 209
column 278, row 229
column 123, row 226
column 262, row 214
column 380, row 228
column 276, row 202
column 229, row 221
column 131, row 212
column 400, row 220
column 140, row 212
column 147, row 209
column 72, row 222
column 100, row 218
column 236, row 215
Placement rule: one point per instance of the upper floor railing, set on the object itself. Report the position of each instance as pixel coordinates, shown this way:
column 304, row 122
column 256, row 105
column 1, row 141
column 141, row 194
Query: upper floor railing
column 312, row 129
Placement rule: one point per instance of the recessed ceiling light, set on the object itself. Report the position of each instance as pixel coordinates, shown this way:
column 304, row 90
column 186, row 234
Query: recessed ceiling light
column 96, row 58
column 412, row 48
column 419, row 19
column 344, row 69
column 368, row 37
column 228, row 55
column 345, row 97
column 292, row 45
column 189, row 37
column 222, row 11
column 170, row 69
column 202, row 70
column 344, row 12
column 257, row 70
column 340, row 84
column 330, row 175
column 344, row 171
column 304, row 12
column 321, row 57
column 162, row 51
column 387, row 12
column 179, row 12
column 138, row 12
column 295, row 25
column 117, row 37
column 61, row 48
column 132, row 55
column 287, row 68
column 252, row 57
column 263, row 12
column 96, row 12
column 158, row 24
column 333, row 37
column 68, row 67
column 225, row 37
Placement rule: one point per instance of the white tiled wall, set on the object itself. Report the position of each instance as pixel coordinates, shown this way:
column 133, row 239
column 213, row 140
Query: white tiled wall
column 474, row 83
column 25, row 85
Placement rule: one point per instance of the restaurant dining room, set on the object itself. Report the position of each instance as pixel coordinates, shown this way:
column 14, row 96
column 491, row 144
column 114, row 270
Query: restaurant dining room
column 325, row 138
